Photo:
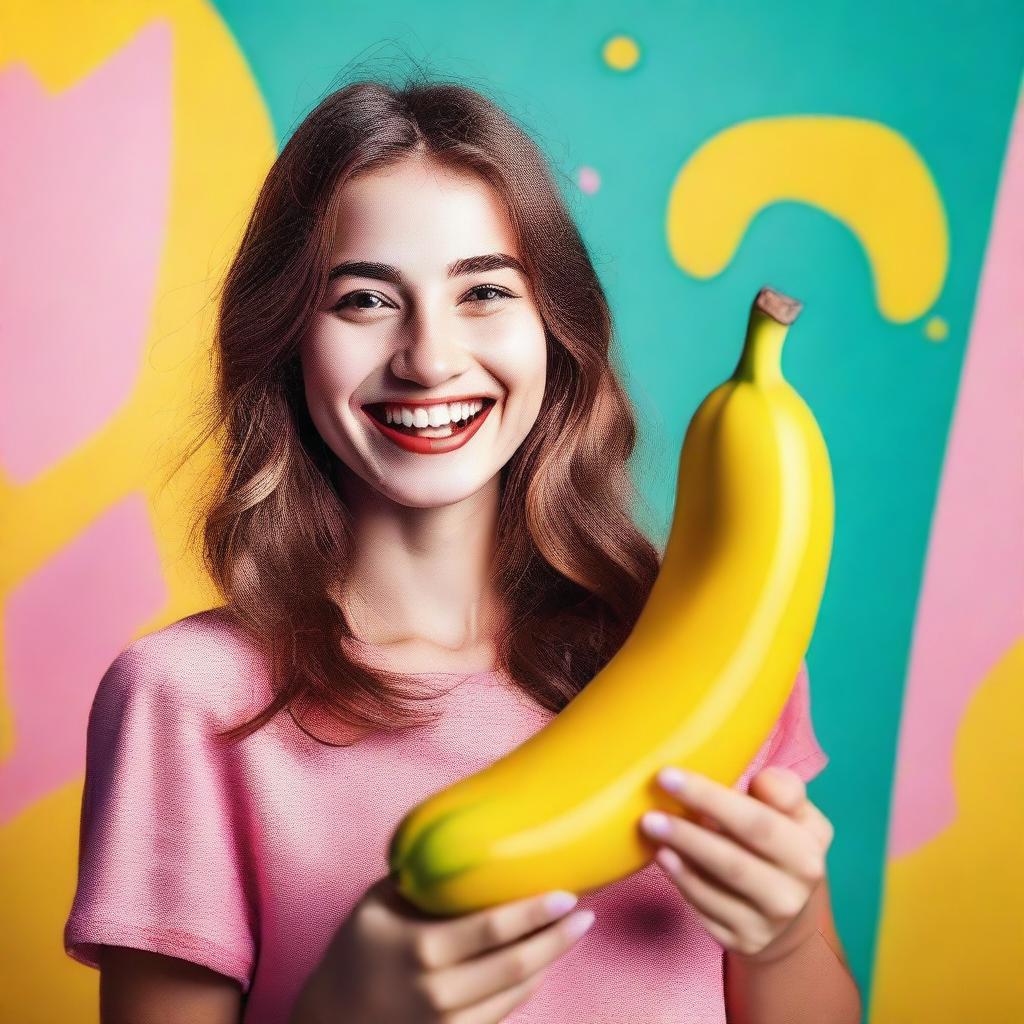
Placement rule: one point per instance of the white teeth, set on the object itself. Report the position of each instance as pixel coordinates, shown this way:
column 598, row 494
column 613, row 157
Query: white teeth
column 431, row 416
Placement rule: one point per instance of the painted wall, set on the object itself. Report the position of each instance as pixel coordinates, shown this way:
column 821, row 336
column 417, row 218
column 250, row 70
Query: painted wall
column 868, row 159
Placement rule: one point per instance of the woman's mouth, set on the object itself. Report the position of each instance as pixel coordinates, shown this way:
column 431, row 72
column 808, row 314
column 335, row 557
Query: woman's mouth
column 428, row 440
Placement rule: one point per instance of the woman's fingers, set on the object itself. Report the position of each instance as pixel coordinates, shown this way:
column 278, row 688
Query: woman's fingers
column 497, row 1007
column 452, row 940
column 503, row 969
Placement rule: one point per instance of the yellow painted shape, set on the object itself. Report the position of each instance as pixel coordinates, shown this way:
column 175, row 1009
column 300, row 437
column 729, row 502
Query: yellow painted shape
column 936, row 329
column 223, row 145
column 951, row 936
column 621, row 53
column 861, row 172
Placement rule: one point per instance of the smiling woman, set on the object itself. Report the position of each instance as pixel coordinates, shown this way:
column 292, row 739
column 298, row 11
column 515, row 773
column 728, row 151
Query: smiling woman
column 424, row 540
column 443, row 327
column 390, row 280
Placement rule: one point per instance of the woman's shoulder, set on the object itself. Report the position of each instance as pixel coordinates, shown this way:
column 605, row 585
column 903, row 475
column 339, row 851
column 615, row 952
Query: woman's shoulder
column 201, row 661
column 213, row 632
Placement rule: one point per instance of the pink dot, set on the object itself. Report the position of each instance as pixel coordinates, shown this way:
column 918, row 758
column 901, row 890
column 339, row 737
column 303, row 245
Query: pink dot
column 589, row 180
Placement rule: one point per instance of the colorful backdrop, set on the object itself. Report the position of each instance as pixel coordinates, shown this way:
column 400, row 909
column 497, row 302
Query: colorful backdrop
column 865, row 157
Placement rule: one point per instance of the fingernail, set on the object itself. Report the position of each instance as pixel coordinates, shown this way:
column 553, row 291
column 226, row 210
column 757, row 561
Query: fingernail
column 669, row 860
column 580, row 922
column 559, row 901
column 655, row 823
column 672, row 778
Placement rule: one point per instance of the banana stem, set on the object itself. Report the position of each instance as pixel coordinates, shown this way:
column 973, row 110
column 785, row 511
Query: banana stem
column 771, row 315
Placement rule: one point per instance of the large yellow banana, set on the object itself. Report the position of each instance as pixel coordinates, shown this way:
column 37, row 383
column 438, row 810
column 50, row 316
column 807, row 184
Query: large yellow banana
column 699, row 682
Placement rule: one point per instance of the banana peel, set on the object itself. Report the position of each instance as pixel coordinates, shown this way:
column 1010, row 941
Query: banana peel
column 699, row 682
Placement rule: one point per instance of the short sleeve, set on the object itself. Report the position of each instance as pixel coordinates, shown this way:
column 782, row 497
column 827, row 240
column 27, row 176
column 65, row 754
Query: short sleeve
column 160, row 865
column 794, row 743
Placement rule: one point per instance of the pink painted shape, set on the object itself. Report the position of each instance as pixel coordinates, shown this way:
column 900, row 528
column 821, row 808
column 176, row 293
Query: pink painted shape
column 972, row 595
column 64, row 625
column 589, row 180
column 84, row 198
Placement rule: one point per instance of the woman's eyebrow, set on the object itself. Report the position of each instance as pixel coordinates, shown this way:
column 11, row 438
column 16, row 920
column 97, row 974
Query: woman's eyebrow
column 469, row 265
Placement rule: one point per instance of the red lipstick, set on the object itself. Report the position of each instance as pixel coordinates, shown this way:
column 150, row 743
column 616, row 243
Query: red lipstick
column 430, row 445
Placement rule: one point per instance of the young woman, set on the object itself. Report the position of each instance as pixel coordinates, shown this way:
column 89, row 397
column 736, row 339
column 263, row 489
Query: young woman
column 424, row 541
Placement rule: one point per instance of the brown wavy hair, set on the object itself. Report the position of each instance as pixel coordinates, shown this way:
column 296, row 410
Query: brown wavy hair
column 569, row 564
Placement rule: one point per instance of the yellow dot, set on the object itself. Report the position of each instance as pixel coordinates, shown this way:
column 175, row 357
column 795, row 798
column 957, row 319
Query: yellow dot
column 621, row 52
column 936, row 329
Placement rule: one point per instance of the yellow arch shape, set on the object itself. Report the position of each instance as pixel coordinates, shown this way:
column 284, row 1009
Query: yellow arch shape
column 861, row 172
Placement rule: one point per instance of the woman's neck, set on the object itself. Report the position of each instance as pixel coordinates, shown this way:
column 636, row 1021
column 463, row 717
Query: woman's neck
column 419, row 586
column 420, row 647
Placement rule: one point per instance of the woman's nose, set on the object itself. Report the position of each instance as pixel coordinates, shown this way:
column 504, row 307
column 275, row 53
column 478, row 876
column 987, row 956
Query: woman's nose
column 432, row 351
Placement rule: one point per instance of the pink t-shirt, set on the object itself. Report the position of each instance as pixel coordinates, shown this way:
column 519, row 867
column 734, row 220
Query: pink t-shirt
column 247, row 858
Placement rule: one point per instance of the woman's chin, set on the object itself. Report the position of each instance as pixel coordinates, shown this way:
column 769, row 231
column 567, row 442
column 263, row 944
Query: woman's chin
column 433, row 493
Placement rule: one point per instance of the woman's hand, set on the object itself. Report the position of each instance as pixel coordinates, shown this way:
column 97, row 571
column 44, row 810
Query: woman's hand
column 390, row 962
column 751, row 863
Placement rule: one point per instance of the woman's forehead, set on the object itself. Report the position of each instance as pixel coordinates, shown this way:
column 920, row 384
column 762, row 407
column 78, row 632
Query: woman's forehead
column 404, row 219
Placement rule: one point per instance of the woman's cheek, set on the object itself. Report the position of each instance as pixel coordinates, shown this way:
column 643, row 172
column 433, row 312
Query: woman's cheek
column 337, row 362
column 518, row 343
column 522, row 368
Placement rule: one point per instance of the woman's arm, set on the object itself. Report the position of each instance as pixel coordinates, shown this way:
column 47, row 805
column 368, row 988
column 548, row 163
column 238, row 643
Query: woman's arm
column 811, row 983
column 140, row 987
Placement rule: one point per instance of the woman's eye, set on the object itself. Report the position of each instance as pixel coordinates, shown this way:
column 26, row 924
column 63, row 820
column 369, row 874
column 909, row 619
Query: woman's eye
column 491, row 288
column 349, row 301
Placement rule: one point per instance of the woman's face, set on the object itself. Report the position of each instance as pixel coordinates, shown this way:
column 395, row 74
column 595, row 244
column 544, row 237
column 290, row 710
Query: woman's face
column 409, row 328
